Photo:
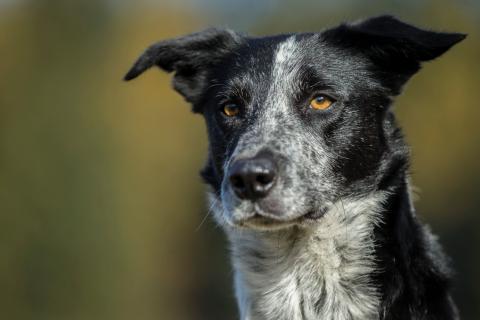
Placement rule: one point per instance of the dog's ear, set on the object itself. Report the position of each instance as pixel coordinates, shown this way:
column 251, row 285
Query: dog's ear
column 395, row 48
column 190, row 57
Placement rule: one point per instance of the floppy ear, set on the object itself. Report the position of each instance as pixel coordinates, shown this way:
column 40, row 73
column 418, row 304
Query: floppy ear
column 395, row 48
column 190, row 57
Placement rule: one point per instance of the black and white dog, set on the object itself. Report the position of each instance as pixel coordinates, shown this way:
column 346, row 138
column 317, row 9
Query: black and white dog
column 308, row 170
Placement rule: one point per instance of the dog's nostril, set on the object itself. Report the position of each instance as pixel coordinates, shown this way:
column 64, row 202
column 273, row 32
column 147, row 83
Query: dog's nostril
column 264, row 178
column 237, row 181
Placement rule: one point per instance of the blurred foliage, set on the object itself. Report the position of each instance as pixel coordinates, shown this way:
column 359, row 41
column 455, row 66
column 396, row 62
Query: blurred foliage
column 101, row 206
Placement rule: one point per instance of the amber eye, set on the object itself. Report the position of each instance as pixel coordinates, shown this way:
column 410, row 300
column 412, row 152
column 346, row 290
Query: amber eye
column 231, row 109
column 321, row 102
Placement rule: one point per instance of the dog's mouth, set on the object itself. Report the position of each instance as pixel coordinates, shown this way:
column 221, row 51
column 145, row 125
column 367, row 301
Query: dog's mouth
column 265, row 221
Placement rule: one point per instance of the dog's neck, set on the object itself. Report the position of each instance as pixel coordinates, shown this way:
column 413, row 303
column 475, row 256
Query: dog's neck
column 412, row 276
column 320, row 272
column 367, row 258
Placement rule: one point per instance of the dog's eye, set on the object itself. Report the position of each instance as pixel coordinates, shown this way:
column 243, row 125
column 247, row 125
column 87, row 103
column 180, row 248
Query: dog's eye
column 231, row 109
column 321, row 102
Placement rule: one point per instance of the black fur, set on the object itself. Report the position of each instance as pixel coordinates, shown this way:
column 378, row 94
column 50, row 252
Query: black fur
column 363, row 66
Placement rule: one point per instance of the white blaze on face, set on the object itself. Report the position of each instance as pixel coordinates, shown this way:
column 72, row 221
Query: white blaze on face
column 285, row 67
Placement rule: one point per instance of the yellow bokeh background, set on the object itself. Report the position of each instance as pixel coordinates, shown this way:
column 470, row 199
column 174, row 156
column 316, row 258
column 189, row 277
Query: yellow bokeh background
column 101, row 205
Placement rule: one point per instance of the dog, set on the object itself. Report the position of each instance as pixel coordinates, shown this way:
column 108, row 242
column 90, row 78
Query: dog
column 308, row 172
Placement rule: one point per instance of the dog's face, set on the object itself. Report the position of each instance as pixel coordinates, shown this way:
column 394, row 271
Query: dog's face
column 294, row 124
column 297, row 122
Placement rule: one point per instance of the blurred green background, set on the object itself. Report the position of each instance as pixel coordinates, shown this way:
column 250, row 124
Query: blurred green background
column 101, row 205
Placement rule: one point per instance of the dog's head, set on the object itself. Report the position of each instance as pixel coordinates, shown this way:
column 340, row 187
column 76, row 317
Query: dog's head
column 297, row 122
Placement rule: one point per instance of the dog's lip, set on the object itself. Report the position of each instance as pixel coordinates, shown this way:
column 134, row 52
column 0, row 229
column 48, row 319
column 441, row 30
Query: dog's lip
column 265, row 220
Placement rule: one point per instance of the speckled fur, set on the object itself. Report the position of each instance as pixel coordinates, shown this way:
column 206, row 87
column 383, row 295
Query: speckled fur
column 322, row 272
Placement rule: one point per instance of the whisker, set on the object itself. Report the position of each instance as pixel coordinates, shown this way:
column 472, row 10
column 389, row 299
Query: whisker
column 214, row 203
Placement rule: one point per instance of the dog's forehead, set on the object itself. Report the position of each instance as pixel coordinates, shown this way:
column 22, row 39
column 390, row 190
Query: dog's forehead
column 283, row 60
column 288, row 51
column 260, row 56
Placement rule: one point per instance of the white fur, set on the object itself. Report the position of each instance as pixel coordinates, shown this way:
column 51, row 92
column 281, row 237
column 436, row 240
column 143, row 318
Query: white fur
column 285, row 68
column 326, row 264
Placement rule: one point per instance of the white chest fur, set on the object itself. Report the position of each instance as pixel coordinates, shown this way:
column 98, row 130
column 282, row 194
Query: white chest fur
column 321, row 272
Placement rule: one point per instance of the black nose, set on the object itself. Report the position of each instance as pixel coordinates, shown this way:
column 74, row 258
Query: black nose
column 253, row 178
